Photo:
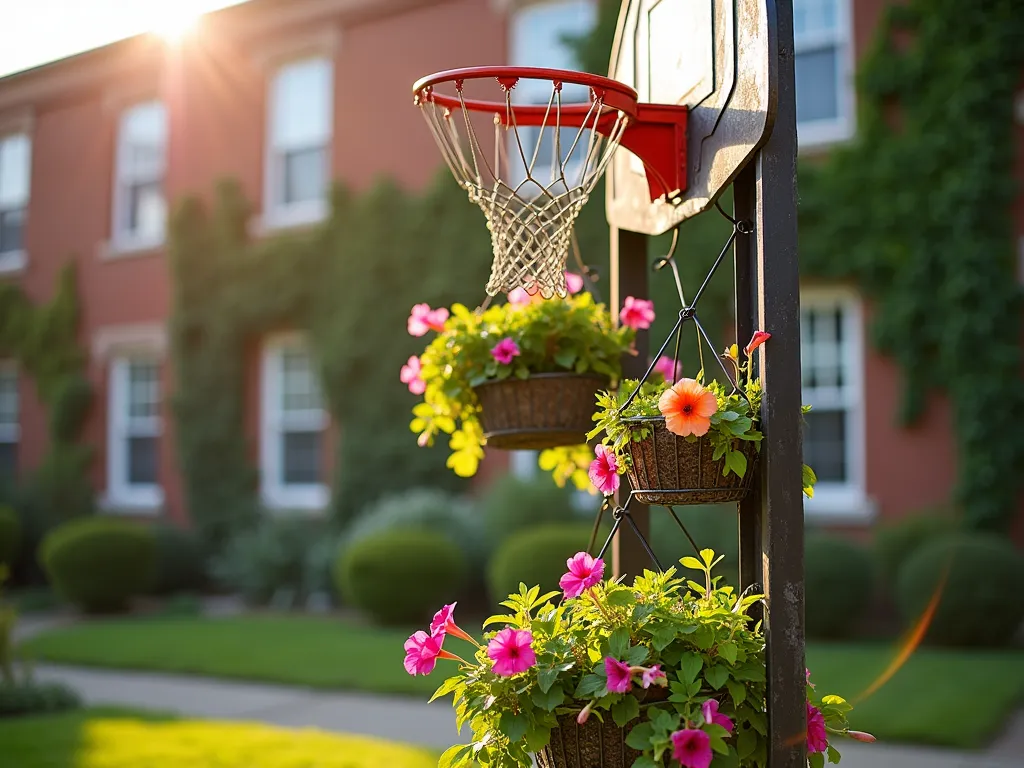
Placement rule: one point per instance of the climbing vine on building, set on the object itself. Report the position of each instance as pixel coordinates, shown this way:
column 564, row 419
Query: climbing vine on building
column 350, row 285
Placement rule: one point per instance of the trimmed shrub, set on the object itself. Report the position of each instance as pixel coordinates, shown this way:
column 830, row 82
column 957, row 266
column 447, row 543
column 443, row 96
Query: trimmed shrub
column 99, row 563
column 425, row 509
column 512, row 504
column 29, row 698
column 271, row 560
column 180, row 560
column 537, row 557
column 401, row 577
column 978, row 577
column 10, row 536
column 839, row 583
column 897, row 541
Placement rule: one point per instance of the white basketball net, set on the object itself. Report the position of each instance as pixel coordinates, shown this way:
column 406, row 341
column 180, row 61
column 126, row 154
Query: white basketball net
column 532, row 186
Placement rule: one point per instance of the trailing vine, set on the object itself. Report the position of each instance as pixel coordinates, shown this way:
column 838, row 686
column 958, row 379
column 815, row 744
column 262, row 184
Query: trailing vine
column 917, row 210
column 350, row 284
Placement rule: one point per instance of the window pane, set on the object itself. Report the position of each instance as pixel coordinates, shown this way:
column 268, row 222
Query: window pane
column 8, row 398
column 142, row 461
column 305, row 175
column 8, row 459
column 301, row 104
column 12, row 230
column 145, row 210
column 814, row 17
column 142, row 142
column 15, row 168
column 300, row 387
column 825, row 444
column 816, row 97
column 143, row 390
column 302, row 454
column 823, row 348
column 538, row 40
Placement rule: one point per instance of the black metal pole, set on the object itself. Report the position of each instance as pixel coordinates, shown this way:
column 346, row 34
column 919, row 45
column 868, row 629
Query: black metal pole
column 629, row 278
column 777, row 310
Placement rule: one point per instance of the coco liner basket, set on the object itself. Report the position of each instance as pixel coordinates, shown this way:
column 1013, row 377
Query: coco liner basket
column 545, row 410
column 591, row 745
column 667, row 469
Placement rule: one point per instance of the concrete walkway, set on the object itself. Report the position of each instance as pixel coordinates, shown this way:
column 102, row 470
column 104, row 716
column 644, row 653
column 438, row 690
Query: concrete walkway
column 403, row 719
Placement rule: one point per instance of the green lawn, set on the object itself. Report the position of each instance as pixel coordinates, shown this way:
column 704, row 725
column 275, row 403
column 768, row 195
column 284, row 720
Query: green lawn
column 118, row 738
column 952, row 698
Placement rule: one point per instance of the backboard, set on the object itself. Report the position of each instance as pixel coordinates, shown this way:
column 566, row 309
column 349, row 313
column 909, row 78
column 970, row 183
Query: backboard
column 713, row 56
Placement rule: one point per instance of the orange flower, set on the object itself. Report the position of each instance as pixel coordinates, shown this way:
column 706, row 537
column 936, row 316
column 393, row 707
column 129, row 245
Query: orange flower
column 687, row 408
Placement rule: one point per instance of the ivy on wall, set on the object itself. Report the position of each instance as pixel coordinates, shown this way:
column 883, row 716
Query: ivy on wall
column 43, row 339
column 350, row 284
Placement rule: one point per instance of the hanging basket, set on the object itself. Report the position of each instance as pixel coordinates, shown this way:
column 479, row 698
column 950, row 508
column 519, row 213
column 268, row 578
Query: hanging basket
column 591, row 745
column 668, row 470
column 545, row 410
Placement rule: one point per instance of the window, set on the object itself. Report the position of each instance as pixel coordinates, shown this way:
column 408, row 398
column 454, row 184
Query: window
column 140, row 209
column 824, row 70
column 298, row 163
column 832, row 368
column 15, row 170
column 10, row 429
column 135, row 427
column 538, row 33
column 294, row 428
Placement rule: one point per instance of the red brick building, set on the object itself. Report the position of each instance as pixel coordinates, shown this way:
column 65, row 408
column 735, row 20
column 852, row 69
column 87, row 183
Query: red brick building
column 284, row 96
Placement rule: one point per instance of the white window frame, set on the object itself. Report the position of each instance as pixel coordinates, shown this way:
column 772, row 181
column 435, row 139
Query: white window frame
column 121, row 239
column 847, row 501
column 121, row 495
column 11, row 433
column 15, row 260
column 277, row 214
column 275, row 493
column 818, row 134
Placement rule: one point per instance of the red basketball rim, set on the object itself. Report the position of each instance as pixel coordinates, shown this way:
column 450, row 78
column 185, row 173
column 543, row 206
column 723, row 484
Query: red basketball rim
column 614, row 95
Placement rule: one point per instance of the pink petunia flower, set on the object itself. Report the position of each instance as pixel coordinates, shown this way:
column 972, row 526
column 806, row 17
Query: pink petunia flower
column 421, row 653
column 620, row 675
column 692, row 748
column 604, row 471
column 573, row 283
column 759, row 338
column 423, row 319
column 712, row 715
column 511, row 651
column 519, row 297
column 654, row 676
column 637, row 313
column 669, row 368
column 443, row 623
column 817, row 737
column 410, row 375
column 505, row 350
column 584, row 572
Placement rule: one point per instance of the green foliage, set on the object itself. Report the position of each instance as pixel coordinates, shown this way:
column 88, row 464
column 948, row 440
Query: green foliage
column 838, row 583
column 695, row 631
column 896, row 541
column 975, row 579
column 273, row 558
column 918, row 210
column 512, row 504
column 26, row 697
column 401, row 577
column 350, row 283
column 180, row 560
column 535, row 555
column 10, row 536
column 99, row 563
column 712, row 526
column 426, row 509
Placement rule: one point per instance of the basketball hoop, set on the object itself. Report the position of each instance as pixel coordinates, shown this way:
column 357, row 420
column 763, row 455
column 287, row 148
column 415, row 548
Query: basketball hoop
column 546, row 157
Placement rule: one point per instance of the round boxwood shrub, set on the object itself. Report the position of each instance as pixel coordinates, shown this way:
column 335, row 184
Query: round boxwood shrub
column 978, row 577
column 401, row 577
column 31, row 698
column 536, row 557
column 513, row 504
column 99, row 564
column 897, row 541
column 10, row 536
column 839, row 583
column 180, row 560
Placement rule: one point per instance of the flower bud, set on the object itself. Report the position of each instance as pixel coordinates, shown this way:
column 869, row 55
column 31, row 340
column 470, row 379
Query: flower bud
column 867, row 738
